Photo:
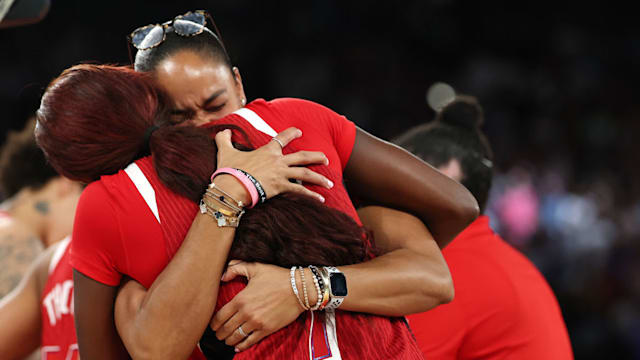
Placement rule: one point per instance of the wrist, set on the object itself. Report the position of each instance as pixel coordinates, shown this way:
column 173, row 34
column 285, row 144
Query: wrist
column 312, row 294
column 234, row 187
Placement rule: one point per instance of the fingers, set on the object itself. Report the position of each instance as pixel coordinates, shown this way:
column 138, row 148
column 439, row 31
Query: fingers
column 223, row 139
column 234, row 269
column 286, row 137
column 228, row 328
column 251, row 340
column 299, row 189
column 224, row 314
column 309, row 176
column 302, row 158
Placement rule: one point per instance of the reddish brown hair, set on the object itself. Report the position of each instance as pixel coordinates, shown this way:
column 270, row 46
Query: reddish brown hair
column 92, row 122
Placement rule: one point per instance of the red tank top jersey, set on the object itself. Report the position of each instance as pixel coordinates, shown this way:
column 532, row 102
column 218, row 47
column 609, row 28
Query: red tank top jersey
column 58, row 328
column 503, row 309
column 129, row 223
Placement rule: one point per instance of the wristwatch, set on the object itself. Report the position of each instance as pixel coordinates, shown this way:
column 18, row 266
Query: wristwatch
column 337, row 287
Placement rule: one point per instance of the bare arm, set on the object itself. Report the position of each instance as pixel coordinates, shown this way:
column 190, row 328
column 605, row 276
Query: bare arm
column 385, row 174
column 17, row 252
column 20, row 313
column 93, row 313
column 411, row 276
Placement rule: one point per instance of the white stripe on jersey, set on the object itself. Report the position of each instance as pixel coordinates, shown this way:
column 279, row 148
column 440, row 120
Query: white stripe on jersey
column 256, row 121
column 57, row 254
column 144, row 187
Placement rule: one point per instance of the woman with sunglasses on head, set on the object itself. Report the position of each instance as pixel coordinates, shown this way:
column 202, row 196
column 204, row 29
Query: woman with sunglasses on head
column 133, row 217
column 191, row 64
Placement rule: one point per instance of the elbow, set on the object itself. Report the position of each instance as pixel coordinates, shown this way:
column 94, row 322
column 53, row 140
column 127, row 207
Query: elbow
column 437, row 290
column 467, row 209
column 470, row 210
column 447, row 292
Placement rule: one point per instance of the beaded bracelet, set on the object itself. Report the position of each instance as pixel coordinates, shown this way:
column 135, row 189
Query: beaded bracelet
column 304, row 288
column 292, row 274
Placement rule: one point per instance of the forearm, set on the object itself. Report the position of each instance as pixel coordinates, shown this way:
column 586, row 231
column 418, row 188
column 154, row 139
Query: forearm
column 398, row 283
column 385, row 174
column 173, row 314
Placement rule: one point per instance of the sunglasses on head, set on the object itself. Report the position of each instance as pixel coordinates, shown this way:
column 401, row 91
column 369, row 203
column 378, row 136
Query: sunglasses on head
column 189, row 24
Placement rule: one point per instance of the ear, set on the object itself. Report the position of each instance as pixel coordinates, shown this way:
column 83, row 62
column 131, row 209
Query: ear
column 238, row 83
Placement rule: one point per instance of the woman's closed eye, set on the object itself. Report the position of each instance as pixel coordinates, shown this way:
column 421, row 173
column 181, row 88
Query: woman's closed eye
column 215, row 108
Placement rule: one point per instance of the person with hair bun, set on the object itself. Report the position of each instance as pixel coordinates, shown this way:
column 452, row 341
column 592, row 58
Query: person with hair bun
column 139, row 217
column 504, row 308
column 197, row 73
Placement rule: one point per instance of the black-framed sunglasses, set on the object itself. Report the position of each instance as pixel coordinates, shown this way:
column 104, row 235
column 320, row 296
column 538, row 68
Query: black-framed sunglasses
column 189, row 24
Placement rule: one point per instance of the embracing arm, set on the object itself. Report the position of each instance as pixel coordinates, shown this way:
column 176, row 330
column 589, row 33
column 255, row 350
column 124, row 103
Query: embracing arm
column 411, row 276
column 385, row 174
column 158, row 324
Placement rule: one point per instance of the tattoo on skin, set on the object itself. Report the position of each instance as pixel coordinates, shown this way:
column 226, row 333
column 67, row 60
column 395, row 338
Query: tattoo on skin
column 42, row 207
column 16, row 255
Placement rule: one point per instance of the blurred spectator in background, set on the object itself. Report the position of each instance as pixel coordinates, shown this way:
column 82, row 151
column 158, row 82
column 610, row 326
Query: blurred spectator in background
column 39, row 206
column 503, row 307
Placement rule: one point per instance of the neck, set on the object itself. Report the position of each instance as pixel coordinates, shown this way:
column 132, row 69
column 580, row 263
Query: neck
column 28, row 211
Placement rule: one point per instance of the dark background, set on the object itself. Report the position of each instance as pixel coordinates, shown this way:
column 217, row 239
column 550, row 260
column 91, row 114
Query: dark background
column 557, row 81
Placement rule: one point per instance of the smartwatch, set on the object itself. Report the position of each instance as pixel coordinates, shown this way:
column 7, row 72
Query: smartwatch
column 337, row 287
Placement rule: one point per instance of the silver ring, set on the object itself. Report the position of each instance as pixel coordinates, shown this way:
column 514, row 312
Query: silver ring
column 278, row 141
column 241, row 332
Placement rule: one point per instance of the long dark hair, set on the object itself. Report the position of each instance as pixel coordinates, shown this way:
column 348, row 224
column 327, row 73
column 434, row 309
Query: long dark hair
column 92, row 122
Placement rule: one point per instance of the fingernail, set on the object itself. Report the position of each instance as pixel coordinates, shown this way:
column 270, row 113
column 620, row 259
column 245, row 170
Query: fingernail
column 326, row 161
column 330, row 183
column 321, row 198
column 237, row 350
column 299, row 133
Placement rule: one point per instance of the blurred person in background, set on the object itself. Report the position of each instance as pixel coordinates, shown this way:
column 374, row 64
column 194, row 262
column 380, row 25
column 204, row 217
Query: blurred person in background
column 503, row 307
column 39, row 213
column 39, row 206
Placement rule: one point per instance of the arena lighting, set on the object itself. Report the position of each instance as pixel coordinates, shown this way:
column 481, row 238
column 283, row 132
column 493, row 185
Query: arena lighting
column 439, row 95
column 22, row 12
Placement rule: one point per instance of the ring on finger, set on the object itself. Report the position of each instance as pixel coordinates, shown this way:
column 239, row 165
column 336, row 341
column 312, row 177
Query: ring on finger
column 241, row 332
column 278, row 141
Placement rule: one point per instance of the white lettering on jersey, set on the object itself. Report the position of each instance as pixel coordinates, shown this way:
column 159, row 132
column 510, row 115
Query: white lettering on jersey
column 59, row 301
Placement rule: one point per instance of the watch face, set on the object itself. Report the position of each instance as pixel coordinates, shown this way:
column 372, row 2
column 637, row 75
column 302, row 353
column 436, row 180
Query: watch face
column 338, row 284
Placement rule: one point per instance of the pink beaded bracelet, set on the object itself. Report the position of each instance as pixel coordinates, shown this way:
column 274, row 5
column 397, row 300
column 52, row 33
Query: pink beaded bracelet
column 243, row 179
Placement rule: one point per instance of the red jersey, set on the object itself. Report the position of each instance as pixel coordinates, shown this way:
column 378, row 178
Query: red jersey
column 503, row 308
column 130, row 223
column 58, row 328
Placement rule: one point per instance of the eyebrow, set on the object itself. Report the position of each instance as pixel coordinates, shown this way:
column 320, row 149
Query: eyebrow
column 208, row 101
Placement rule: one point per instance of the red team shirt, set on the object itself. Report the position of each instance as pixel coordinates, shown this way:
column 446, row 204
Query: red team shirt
column 131, row 224
column 503, row 308
column 58, row 328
